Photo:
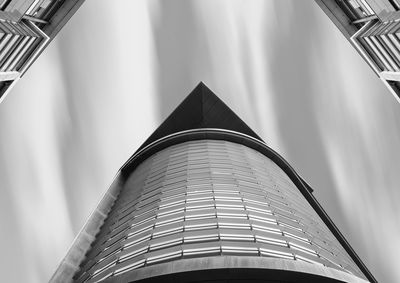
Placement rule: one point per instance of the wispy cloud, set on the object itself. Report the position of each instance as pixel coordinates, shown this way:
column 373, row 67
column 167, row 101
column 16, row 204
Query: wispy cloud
column 358, row 119
column 116, row 71
column 213, row 41
column 32, row 171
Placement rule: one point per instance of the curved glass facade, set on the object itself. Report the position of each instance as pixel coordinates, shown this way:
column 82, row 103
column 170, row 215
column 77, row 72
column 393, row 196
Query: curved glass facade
column 208, row 198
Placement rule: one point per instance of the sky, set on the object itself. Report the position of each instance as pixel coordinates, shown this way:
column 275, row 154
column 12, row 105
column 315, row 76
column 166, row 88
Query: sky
column 115, row 72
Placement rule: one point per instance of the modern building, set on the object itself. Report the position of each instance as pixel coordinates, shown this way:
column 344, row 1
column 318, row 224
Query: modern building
column 372, row 27
column 204, row 199
column 26, row 28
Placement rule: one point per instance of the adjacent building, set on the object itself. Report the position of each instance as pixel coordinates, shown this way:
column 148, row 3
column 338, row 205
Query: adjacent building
column 372, row 27
column 26, row 28
column 205, row 199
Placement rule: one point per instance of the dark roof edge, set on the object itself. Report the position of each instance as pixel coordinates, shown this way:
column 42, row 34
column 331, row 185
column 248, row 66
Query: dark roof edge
column 250, row 268
column 202, row 108
column 228, row 135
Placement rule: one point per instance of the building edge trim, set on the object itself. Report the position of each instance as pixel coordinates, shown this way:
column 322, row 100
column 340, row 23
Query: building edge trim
column 81, row 244
column 222, row 265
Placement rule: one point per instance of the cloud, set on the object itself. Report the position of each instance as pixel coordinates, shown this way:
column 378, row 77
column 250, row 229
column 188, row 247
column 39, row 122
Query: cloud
column 213, row 41
column 31, row 161
column 357, row 117
column 113, row 74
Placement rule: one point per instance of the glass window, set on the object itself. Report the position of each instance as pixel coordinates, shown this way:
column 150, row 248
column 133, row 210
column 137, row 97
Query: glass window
column 211, row 234
column 272, row 252
column 164, row 255
column 171, row 210
column 103, row 266
column 231, row 213
column 239, row 248
column 168, row 230
column 133, row 251
column 124, row 267
column 236, row 235
column 171, row 218
column 195, row 214
column 165, row 242
column 200, row 224
column 265, row 226
column 201, row 249
column 236, row 223
column 137, row 239
column 300, row 246
column 201, row 205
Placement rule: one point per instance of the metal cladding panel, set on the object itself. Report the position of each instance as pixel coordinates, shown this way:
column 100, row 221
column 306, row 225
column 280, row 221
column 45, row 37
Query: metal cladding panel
column 209, row 198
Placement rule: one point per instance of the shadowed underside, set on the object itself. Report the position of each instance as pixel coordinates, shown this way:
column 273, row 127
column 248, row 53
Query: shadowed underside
column 236, row 269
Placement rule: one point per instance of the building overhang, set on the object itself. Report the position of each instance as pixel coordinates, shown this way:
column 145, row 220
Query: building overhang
column 240, row 268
